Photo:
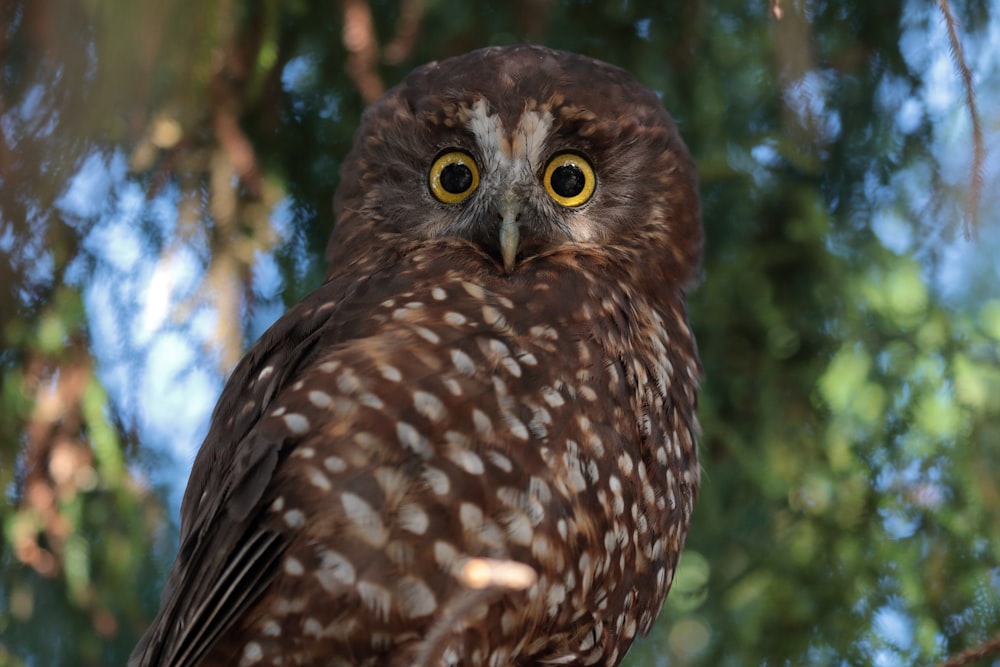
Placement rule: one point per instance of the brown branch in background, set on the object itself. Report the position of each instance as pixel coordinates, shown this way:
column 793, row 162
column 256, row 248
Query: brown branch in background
column 6, row 154
column 228, row 80
column 794, row 45
column 240, row 226
column 362, row 45
column 237, row 146
column 972, row 655
column 58, row 462
column 979, row 147
column 411, row 15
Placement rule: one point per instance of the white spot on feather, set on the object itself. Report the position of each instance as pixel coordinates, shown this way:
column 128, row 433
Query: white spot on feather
column 452, row 385
column 518, row 528
column 390, row 373
column 437, row 480
column 318, row 479
column 445, row 554
column 348, row 382
column 428, row 405
column 329, row 366
column 427, row 335
column 320, row 399
column 252, row 653
column 413, row 440
column 334, row 464
column 517, row 427
column 471, row 517
column 335, row 572
column 552, row 397
column 312, row 628
column 367, row 522
column 543, row 331
column 473, row 290
column 467, row 461
column 293, row 566
column 482, row 422
column 376, row 598
column 415, row 598
column 462, row 362
column 500, row 461
column 455, row 319
column 413, row 519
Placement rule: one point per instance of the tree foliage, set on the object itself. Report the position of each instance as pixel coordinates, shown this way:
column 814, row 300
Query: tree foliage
column 166, row 171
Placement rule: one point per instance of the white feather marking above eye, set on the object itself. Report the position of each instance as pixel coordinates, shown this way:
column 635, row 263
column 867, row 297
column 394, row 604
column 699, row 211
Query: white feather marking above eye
column 530, row 136
column 510, row 152
column 512, row 160
column 489, row 134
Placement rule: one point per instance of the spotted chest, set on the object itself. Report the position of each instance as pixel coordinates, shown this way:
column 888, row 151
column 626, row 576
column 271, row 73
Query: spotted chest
column 455, row 434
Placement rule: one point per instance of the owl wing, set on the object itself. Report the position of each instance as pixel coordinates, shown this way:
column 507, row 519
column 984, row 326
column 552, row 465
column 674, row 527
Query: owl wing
column 226, row 560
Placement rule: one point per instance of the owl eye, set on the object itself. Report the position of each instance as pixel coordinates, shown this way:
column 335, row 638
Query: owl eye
column 569, row 179
column 453, row 177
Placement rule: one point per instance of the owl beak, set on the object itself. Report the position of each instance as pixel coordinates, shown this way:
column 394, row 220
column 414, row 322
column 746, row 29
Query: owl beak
column 510, row 234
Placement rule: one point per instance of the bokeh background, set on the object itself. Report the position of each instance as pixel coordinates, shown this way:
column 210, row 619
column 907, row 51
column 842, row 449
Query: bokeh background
column 166, row 175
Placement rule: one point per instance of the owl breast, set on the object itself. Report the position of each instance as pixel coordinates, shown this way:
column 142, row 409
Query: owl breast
column 452, row 435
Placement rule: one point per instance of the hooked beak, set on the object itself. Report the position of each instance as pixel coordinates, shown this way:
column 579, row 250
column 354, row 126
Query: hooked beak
column 510, row 234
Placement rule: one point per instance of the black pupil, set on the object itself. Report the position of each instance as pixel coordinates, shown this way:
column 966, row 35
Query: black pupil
column 456, row 178
column 568, row 180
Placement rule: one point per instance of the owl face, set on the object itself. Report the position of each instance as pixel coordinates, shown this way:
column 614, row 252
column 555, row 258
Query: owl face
column 516, row 152
column 498, row 187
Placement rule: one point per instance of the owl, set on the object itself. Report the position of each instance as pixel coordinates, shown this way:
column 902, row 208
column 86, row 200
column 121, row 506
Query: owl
column 475, row 443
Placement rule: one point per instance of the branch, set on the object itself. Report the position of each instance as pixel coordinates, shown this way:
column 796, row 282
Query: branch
column 979, row 146
column 970, row 655
column 411, row 14
column 362, row 45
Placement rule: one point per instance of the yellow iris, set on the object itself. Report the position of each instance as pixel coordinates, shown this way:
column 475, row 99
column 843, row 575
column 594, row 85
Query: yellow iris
column 453, row 177
column 569, row 179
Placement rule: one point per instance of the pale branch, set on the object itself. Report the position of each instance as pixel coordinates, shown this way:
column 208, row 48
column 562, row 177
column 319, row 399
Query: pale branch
column 362, row 45
column 411, row 15
column 979, row 146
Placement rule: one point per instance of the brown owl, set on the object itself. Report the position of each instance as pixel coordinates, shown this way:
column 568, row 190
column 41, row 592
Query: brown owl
column 474, row 444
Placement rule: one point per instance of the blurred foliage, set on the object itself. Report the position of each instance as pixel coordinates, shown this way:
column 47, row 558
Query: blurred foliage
column 850, row 512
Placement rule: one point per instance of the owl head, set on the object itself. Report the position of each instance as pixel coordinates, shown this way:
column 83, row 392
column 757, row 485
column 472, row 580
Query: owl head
column 517, row 152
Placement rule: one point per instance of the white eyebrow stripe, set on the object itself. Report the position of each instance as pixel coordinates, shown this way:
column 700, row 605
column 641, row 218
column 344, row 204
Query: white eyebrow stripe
column 489, row 134
column 532, row 131
column 501, row 151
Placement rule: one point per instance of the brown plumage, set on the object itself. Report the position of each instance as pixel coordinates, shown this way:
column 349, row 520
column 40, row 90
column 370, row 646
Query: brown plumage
column 497, row 377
